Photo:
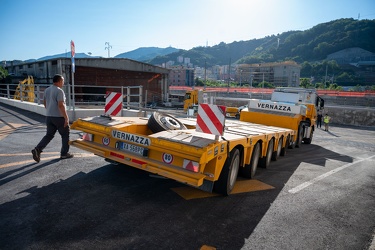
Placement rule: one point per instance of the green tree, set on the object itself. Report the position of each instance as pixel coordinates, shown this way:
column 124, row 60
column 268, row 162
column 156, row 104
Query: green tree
column 266, row 85
column 306, row 83
column 3, row 73
column 199, row 82
column 357, row 88
column 320, row 85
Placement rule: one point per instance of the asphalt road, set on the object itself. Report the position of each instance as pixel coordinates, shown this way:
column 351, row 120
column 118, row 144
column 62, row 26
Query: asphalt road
column 319, row 196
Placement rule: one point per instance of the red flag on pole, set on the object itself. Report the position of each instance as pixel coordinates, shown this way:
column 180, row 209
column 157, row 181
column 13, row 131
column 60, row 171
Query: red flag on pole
column 72, row 48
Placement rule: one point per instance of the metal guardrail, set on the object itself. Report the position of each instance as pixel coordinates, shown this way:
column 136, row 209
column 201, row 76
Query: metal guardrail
column 132, row 95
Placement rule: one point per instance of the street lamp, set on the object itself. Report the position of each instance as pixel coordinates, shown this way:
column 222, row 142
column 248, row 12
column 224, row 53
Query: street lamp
column 251, row 85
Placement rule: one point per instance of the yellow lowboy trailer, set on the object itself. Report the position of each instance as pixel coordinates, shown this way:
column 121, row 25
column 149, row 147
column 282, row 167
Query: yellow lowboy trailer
column 171, row 147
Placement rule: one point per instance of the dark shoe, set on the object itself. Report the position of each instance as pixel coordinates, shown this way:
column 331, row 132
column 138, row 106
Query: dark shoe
column 67, row 156
column 36, row 154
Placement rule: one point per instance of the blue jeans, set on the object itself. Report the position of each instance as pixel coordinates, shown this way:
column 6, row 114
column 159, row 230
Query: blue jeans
column 55, row 124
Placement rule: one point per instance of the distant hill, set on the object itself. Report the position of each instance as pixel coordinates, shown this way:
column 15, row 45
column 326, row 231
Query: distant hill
column 67, row 54
column 147, row 53
column 310, row 45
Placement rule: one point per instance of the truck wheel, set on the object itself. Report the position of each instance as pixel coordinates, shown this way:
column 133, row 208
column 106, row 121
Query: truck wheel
column 309, row 140
column 292, row 143
column 265, row 161
column 299, row 136
column 287, row 142
column 250, row 169
column 160, row 122
column 237, row 116
column 228, row 176
column 276, row 154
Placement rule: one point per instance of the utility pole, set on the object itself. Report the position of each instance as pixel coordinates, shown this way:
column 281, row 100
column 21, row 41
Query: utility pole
column 325, row 78
column 230, row 62
column 205, row 75
column 108, row 47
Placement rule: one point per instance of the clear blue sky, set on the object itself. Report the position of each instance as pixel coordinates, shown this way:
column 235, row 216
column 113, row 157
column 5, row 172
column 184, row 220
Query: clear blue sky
column 31, row 29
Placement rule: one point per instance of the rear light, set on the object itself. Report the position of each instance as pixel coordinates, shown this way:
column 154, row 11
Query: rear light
column 191, row 165
column 87, row 137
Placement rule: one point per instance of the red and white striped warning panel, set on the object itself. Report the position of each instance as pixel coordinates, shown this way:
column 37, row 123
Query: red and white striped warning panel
column 211, row 119
column 191, row 165
column 113, row 103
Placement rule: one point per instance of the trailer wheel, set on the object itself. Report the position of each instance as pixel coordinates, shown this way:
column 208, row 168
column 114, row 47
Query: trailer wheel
column 160, row 122
column 228, row 176
column 250, row 169
column 299, row 136
column 276, row 154
column 287, row 142
column 265, row 161
column 309, row 140
column 292, row 143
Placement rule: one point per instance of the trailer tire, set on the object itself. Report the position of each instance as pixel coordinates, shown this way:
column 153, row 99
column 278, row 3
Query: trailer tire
column 300, row 135
column 160, row 122
column 266, row 161
column 292, row 143
column 228, row 176
column 276, row 154
column 287, row 142
column 309, row 140
column 250, row 169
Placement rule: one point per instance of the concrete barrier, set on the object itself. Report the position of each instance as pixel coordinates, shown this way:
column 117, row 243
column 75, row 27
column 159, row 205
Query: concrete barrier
column 351, row 115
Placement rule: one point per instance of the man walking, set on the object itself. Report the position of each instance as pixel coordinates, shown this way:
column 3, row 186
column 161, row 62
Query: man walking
column 57, row 119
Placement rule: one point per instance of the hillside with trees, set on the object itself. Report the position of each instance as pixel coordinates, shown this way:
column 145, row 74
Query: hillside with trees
column 310, row 45
column 309, row 48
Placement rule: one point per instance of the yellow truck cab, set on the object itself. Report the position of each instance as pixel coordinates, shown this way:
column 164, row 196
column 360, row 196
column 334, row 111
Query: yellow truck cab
column 192, row 97
column 294, row 108
column 172, row 147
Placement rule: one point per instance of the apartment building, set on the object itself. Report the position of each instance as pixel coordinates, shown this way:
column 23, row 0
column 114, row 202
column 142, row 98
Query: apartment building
column 181, row 76
column 280, row 74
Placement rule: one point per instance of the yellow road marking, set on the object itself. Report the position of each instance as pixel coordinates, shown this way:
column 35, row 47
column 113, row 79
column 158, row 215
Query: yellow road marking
column 57, row 155
column 8, row 129
column 205, row 247
column 24, row 162
column 22, row 154
column 242, row 186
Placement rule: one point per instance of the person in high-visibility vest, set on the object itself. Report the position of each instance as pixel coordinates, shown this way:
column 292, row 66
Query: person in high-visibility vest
column 326, row 120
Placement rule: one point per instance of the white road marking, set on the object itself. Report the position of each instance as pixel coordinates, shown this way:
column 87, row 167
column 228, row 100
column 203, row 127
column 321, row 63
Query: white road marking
column 321, row 177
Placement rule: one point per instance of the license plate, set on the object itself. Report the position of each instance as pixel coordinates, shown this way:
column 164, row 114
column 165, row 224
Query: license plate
column 131, row 148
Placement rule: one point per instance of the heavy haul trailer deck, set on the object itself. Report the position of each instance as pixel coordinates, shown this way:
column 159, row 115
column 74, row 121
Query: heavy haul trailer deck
column 185, row 155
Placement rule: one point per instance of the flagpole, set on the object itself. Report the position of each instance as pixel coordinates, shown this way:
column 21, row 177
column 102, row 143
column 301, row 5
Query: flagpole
column 72, row 47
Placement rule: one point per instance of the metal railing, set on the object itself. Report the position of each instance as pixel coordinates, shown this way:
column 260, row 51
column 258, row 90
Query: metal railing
column 132, row 95
column 133, row 98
